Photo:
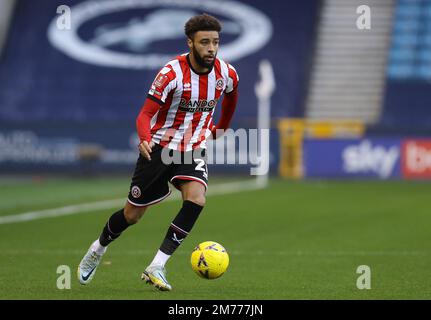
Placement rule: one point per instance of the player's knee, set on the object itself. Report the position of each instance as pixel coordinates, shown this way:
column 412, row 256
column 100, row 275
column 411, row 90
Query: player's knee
column 198, row 199
column 132, row 218
column 133, row 214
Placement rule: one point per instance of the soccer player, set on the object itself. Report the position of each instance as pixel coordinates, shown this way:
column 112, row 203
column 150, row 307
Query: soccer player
column 176, row 119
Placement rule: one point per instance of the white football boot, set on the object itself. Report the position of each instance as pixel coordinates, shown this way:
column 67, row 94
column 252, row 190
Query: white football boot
column 156, row 276
column 88, row 265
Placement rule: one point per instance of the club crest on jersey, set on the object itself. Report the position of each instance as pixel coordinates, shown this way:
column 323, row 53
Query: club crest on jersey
column 220, row 84
column 197, row 105
column 136, row 192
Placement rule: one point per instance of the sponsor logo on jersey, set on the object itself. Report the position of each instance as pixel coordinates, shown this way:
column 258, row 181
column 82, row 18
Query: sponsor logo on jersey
column 187, row 87
column 197, row 105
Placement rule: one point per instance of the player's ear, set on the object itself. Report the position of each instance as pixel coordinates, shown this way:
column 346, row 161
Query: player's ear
column 190, row 43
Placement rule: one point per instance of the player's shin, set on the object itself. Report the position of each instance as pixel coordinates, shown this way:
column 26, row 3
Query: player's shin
column 178, row 231
column 116, row 224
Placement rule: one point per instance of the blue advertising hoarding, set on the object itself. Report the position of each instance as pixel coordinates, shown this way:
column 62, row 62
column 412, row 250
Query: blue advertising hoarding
column 352, row 158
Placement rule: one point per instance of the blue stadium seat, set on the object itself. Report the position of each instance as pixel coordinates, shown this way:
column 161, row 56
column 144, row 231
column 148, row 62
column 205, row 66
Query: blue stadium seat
column 406, row 39
column 408, row 89
column 401, row 71
column 402, row 54
column 424, row 72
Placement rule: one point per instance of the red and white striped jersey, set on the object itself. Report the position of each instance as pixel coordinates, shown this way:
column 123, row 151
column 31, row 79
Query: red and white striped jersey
column 187, row 101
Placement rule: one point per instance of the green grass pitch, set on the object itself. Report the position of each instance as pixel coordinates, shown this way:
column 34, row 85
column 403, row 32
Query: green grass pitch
column 292, row 240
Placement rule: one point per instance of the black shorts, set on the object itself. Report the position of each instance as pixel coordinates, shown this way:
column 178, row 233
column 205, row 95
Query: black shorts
column 150, row 182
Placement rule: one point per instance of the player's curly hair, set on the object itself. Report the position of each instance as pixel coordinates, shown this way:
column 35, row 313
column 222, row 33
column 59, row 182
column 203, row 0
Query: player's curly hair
column 202, row 22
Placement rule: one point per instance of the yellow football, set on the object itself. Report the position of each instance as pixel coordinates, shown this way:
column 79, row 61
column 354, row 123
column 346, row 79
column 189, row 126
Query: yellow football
column 209, row 260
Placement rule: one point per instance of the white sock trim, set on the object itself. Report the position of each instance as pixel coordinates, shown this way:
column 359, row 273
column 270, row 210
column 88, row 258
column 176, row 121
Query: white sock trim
column 96, row 246
column 160, row 259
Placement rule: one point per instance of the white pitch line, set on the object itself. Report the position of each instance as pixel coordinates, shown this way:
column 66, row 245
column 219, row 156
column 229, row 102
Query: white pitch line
column 217, row 189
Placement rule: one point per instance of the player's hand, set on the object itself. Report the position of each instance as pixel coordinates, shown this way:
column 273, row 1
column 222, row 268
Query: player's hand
column 213, row 132
column 145, row 149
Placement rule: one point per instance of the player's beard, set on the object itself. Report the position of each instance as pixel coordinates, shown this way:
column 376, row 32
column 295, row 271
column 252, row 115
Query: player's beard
column 200, row 61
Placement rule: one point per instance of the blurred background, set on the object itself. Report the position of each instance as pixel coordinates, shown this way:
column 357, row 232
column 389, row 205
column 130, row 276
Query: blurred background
column 350, row 121
column 70, row 90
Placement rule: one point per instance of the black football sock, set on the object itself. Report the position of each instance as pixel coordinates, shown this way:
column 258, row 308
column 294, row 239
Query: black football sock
column 116, row 224
column 180, row 227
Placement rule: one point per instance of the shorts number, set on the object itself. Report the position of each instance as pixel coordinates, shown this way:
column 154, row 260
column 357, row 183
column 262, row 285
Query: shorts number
column 200, row 166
